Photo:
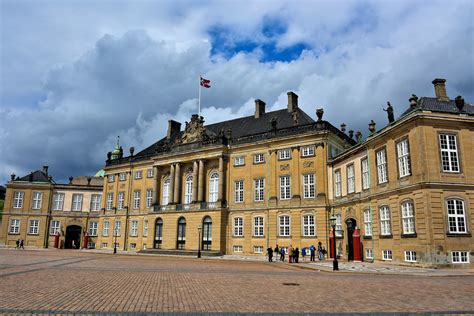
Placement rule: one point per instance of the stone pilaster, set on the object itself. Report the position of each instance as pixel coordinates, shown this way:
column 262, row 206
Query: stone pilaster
column 171, row 189
column 195, row 181
column 201, row 182
column 156, row 185
column 221, row 179
column 177, row 183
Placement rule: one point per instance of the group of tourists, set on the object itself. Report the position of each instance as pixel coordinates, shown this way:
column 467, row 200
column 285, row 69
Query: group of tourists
column 20, row 244
column 294, row 253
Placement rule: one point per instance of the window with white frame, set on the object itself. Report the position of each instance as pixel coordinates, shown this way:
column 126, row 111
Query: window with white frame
column 111, row 177
column 104, row 245
column 145, row 228
column 133, row 245
column 449, row 153
column 123, row 176
column 337, row 183
column 456, row 216
column 238, row 226
column 284, row 225
column 285, row 187
column 93, row 226
column 367, row 222
column 239, row 191
column 308, row 186
column 138, row 174
column 134, row 229
column 77, row 202
column 386, row 254
column 149, row 197
column 259, row 189
column 14, row 226
column 410, row 256
column 37, row 197
column 403, row 157
column 369, row 254
column 350, row 179
column 307, row 151
column 117, row 227
column 460, row 256
column 239, row 161
column 95, row 202
column 258, row 226
column 136, row 199
column 58, row 201
column 18, row 199
column 408, row 217
column 110, row 201
column 382, row 166
column 121, row 200
column 166, row 191
column 365, row 174
column 259, row 158
column 105, row 229
column 385, row 227
column 257, row 249
column 54, row 228
column 214, row 187
column 188, row 190
column 284, row 154
column 309, row 225
column 338, row 225
column 33, row 227
column 150, row 173
column 237, row 248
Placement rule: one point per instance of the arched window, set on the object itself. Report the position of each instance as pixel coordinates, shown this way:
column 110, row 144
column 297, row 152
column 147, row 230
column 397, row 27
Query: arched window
column 213, row 187
column 166, row 192
column 188, row 190
column 408, row 217
column 158, row 233
column 181, row 240
column 456, row 216
column 207, row 233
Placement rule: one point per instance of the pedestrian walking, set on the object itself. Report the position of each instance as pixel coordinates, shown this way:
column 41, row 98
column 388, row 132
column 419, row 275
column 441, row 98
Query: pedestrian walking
column 282, row 254
column 303, row 253
column 312, row 251
column 320, row 251
column 276, row 252
column 297, row 255
column 17, row 244
column 270, row 254
column 22, row 244
column 290, row 254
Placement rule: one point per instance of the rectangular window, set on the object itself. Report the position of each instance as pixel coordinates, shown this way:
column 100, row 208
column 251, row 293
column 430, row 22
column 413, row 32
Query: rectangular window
column 308, row 186
column 258, row 158
column 338, row 225
column 382, row 166
column 460, row 256
column 350, row 179
column 367, row 223
column 166, row 191
column 285, row 187
column 449, row 153
column 18, row 199
column 34, row 227
column 365, row 174
column 337, row 183
column 134, row 229
column 37, row 197
column 90, row 245
column 237, row 248
column 77, row 202
column 95, row 202
column 104, row 245
column 238, row 226
column 307, row 151
column 239, row 161
column 150, row 173
column 308, row 225
column 149, row 197
column 93, row 228
column 138, row 174
column 258, row 226
column 54, row 229
column 110, row 200
column 259, row 190
column 387, row 254
column 121, row 200
column 385, row 227
column 14, row 226
column 136, row 200
column 284, row 154
column 284, row 224
column 239, row 191
column 369, row 254
column 58, row 201
column 111, row 178
column 117, row 227
column 258, row 249
column 105, row 229
column 410, row 256
column 133, row 245
column 456, row 216
column 123, row 176
column 403, row 157
column 145, row 228
column 408, row 218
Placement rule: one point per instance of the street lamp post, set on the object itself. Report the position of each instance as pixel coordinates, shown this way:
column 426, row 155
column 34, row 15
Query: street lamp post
column 199, row 241
column 115, row 237
column 335, row 264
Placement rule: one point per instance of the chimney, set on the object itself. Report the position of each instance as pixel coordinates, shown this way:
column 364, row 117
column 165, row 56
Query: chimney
column 259, row 108
column 440, row 89
column 45, row 169
column 173, row 128
column 292, row 101
column 459, row 102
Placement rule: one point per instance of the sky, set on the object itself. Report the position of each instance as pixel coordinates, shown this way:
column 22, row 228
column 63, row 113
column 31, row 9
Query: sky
column 74, row 75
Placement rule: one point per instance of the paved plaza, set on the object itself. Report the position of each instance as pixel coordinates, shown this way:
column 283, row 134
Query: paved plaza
column 68, row 281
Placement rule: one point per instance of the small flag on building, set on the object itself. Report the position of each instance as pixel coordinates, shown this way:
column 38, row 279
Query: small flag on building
column 205, row 83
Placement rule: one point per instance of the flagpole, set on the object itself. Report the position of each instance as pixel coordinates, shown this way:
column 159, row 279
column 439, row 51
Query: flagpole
column 199, row 103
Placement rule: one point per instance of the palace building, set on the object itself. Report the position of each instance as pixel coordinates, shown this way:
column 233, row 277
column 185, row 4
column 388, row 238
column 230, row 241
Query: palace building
column 404, row 194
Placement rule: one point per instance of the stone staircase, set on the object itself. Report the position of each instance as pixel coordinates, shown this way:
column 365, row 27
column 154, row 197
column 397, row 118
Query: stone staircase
column 176, row 252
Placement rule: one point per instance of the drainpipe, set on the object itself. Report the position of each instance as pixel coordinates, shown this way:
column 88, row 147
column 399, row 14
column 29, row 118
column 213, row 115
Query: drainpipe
column 48, row 217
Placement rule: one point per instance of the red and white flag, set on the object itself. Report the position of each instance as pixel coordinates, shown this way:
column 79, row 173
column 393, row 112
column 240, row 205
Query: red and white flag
column 205, row 83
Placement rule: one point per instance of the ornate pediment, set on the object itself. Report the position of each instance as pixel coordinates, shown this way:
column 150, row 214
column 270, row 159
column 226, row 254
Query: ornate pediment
column 194, row 130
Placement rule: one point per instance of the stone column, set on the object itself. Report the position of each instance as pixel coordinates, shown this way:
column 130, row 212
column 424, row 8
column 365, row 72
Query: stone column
column 156, row 186
column 177, row 183
column 195, row 181
column 201, row 181
column 221, row 179
column 171, row 190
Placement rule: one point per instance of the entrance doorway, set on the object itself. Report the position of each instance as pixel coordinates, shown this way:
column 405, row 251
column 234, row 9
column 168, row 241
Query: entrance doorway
column 351, row 225
column 73, row 237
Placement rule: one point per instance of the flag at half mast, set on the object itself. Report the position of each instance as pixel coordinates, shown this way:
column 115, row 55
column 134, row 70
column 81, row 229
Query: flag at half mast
column 205, row 83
